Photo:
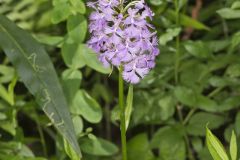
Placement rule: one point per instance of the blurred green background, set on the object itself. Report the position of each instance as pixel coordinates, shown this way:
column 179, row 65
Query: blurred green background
column 196, row 81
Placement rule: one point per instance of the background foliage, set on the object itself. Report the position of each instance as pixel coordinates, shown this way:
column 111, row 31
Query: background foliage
column 195, row 82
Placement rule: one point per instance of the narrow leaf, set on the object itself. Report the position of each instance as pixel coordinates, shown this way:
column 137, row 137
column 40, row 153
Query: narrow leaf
column 215, row 147
column 70, row 152
column 128, row 110
column 187, row 21
column 229, row 13
column 36, row 71
column 233, row 146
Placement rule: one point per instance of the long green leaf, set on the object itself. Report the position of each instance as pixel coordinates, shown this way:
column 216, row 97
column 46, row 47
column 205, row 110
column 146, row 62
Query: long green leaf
column 233, row 146
column 128, row 110
column 215, row 147
column 36, row 71
column 70, row 152
column 187, row 21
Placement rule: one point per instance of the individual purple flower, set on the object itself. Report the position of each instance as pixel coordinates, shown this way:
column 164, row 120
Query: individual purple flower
column 124, row 37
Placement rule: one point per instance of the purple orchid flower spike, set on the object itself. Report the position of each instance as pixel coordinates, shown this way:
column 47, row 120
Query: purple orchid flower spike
column 124, row 38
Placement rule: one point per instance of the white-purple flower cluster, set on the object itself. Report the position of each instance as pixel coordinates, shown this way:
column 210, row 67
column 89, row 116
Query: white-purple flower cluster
column 124, row 37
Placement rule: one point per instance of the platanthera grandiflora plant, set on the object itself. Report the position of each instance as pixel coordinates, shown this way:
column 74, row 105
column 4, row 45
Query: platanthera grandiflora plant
column 122, row 37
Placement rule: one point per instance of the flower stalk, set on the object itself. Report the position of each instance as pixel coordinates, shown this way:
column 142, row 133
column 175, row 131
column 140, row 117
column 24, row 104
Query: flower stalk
column 177, row 64
column 122, row 114
column 177, row 56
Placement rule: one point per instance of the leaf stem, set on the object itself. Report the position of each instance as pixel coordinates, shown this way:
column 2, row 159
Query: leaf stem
column 177, row 56
column 187, row 141
column 177, row 63
column 122, row 115
column 189, row 115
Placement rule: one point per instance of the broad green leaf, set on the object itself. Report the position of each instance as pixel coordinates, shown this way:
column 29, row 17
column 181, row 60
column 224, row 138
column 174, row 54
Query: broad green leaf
column 59, row 2
column 229, row 103
column 156, row 2
column 198, row 49
column 78, row 6
column 77, row 55
column 49, row 40
column 11, row 87
column 78, row 124
column 25, row 151
column 71, row 80
column 98, row 146
column 229, row 13
column 10, row 127
column 217, row 81
column 170, row 142
column 87, row 107
column 166, row 105
column 6, row 73
column 228, row 132
column 186, row 95
column 21, row 5
column 197, row 143
column 233, row 147
column 204, row 154
column 169, row 35
column 186, row 20
column 181, row 4
column 102, row 91
column 70, row 152
column 61, row 12
column 45, row 20
column 199, row 120
column 128, row 110
column 207, row 104
column 235, row 41
column 233, row 70
column 92, row 61
column 17, row 157
column 193, row 99
column 159, row 109
column 188, row 76
column 77, row 27
column 36, row 70
column 72, row 55
column 8, row 95
column 2, row 116
column 4, row 95
column 139, row 148
column 236, row 5
column 217, row 45
column 222, row 61
column 115, row 114
column 215, row 146
column 10, row 124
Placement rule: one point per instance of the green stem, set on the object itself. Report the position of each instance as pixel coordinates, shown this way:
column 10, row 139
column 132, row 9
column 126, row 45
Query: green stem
column 190, row 154
column 177, row 64
column 177, row 56
column 189, row 115
column 215, row 91
column 122, row 116
column 121, row 5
